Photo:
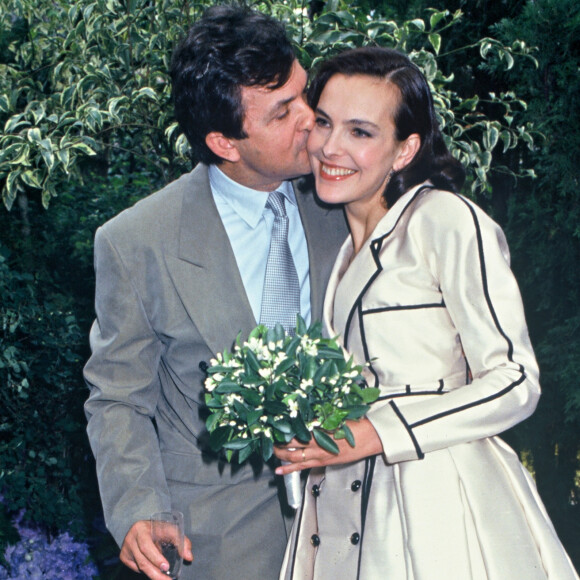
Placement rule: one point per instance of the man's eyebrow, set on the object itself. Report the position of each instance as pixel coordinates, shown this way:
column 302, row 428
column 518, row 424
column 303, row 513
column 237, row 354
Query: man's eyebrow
column 281, row 104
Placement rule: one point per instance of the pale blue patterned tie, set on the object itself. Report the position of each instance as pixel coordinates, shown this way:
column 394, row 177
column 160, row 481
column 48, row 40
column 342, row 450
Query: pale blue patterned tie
column 281, row 297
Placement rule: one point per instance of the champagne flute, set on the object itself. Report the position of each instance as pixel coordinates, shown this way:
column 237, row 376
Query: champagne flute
column 167, row 533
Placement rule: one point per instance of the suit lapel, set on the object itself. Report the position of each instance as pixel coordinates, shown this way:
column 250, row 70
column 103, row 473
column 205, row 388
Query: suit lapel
column 325, row 231
column 205, row 273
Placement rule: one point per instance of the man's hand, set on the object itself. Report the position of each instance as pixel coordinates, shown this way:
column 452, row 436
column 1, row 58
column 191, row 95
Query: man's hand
column 139, row 553
column 304, row 456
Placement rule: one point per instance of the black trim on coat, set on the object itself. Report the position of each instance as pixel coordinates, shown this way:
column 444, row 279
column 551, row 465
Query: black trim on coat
column 365, row 497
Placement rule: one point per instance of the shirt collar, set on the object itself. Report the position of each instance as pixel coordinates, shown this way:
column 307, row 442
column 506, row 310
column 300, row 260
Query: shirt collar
column 248, row 203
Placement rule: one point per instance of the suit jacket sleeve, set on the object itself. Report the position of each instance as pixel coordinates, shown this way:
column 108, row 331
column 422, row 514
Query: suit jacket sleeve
column 123, row 379
column 467, row 255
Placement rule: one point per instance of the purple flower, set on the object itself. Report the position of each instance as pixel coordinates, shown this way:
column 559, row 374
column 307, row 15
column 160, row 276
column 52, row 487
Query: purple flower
column 34, row 557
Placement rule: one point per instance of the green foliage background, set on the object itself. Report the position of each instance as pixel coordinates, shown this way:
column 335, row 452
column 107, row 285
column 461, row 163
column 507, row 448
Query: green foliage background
column 87, row 129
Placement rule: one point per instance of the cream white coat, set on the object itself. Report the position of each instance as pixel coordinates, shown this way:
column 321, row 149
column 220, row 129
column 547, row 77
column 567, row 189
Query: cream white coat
column 430, row 303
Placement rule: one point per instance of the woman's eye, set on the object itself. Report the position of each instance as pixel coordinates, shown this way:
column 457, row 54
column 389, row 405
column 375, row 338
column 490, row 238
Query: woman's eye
column 321, row 122
column 361, row 133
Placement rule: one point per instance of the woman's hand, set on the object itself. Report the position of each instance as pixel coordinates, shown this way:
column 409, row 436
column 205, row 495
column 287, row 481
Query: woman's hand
column 304, row 456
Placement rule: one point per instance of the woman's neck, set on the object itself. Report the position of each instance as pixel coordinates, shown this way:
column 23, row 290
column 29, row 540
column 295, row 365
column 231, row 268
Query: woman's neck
column 362, row 222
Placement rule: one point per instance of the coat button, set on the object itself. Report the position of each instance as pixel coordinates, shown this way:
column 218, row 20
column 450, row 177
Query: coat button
column 315, row 490
column 203, row 366
column 355, row 485
column 355, row 539
column 315, row 540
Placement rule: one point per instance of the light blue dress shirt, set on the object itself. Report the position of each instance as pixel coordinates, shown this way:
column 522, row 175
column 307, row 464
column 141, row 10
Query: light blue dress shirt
column 249, row 227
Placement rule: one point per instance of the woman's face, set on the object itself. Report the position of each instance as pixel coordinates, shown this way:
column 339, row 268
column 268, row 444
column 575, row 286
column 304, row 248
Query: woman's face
column 352, row 146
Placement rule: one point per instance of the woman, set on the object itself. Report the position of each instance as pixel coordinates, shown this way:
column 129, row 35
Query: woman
column 422, row 292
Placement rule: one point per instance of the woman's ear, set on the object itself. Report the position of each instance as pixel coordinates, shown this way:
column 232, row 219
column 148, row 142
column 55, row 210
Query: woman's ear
column 407, row 151
column 222, row 146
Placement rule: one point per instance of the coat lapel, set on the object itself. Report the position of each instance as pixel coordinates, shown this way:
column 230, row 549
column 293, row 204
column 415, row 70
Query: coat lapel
column 205, row 273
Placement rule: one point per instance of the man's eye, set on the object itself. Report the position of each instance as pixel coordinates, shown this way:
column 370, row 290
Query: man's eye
column 282, row 115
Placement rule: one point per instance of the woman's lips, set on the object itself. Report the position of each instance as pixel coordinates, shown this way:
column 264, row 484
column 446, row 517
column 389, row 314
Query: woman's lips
column 334, row 172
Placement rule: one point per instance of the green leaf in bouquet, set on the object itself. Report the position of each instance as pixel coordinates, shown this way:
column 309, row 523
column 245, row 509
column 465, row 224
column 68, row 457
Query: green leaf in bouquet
column 275, row 408
column 280, row 437
column 228, row 387
column 212, row 421
column 357, row 411
column 241, row 410
column 253, row 416
column 345, row 433
column 284, row 366
column 236, row 444
column 334, row 420
column 252, row 361
column 370, row 394
column 306, row 413
column 282, row 425
column 300, row 325
column 300, row 430
column 291, row 347
column 275, row 334
column 329, row 353
column 323, row 371
column 325, row 441
column 252, row 397
column 267, row 447
column 256, row 333
column 308, row 367
column 219, row 437
column 218, row 369
column 273, row 390
column 245, row 452
column 213, row 402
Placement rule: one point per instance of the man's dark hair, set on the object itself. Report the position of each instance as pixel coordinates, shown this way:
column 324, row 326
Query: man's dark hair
column 415, row 114
column 230, row 47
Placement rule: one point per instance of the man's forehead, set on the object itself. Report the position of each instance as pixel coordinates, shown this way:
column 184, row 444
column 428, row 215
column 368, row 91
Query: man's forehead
column 295, row 85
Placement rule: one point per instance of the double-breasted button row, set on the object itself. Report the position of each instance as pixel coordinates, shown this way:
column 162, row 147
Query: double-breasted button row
column 355, row 539
column 315, row 491
column 355, row 485
column 315, row 540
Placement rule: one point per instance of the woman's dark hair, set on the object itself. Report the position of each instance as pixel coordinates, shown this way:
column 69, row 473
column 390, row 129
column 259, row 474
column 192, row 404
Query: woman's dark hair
column 415, row 114
column 230, row 47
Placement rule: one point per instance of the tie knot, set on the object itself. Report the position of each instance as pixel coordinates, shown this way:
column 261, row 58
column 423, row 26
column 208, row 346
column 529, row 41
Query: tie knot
column 276, row 203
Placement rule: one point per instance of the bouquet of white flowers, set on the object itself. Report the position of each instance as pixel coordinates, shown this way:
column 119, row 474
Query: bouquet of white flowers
column 275, row 387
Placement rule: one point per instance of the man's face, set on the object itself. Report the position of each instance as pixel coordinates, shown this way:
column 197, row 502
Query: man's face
column 277, row 123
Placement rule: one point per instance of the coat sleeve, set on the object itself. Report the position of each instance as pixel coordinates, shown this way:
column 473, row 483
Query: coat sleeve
column 467, row 254
column 123, row 381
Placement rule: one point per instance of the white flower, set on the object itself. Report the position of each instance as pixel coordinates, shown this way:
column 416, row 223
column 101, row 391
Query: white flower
column 346, row 389
column 304, row 384
column 265, row 373
column 210, row 384
column 213, row 362
column 280, row 357
column 268, row 432
column 254, row 344
column 218, row 377
column 232, row 423
column 293, row 406
column 263, row 418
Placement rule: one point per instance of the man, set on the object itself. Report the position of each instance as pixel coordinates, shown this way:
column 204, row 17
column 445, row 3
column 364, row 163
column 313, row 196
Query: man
column 179, row 275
